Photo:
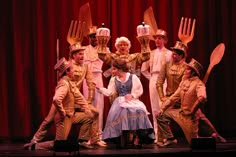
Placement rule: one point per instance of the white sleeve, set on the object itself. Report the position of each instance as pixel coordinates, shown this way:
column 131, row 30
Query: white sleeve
column 137, row 88
column 110, row 90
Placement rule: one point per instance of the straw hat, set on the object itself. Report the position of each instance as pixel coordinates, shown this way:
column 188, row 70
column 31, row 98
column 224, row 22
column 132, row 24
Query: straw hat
column 92, row 30
column 62, row 65
column 196, row 66
column 179, row 46
column 76, row 47
column 160, row 32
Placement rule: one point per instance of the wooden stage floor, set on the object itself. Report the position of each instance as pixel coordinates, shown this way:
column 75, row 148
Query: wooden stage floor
column 182, row 149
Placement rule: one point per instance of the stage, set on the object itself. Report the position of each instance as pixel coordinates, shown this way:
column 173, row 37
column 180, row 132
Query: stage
column 182, row 149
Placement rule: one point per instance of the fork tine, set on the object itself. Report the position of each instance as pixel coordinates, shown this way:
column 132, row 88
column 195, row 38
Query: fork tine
column 180, row 27
column 74, row 29
column 185, row 26
column 70, row 29
column 193, row 27
column 189, row 26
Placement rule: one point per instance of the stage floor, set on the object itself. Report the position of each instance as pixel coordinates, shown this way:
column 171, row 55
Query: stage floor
column 226, row 149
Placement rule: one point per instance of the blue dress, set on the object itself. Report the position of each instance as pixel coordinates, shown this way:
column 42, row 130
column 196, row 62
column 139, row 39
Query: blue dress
column 127, row 116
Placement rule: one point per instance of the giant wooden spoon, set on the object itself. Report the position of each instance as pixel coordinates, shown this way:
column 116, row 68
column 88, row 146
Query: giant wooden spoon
column 215, row 58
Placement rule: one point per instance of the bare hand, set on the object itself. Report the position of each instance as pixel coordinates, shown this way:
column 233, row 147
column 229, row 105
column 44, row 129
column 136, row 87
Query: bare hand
column 163, row 99
column 88, row 112
column 159, row 113
column 128, row 97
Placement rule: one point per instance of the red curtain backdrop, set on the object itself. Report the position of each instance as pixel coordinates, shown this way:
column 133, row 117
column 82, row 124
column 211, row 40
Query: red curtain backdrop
column 29, row 31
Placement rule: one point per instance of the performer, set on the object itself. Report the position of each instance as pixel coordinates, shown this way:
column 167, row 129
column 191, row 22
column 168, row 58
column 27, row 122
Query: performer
column 192, row 94
column 123, row 45
column 127, row 112
column 85, row 75
column 75, row 38
column 91, row 57
column 173, row 72
column 151, row 69
column 64, row 102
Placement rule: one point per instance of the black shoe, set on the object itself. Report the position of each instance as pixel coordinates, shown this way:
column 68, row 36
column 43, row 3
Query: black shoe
column 138, row 146
column 118, row 146
column 137, row 142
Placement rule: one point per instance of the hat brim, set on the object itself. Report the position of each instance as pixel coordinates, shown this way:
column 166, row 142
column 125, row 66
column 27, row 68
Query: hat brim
column 179, row 51
column 76, row 50
column 92, row 34
column 155, row 36
column 193, row 69
column 174, row 48
column 64, row 70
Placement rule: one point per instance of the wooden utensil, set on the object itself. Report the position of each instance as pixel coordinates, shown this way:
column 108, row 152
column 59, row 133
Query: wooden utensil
column 186, row 30
column 150, row 20
column 215, row 58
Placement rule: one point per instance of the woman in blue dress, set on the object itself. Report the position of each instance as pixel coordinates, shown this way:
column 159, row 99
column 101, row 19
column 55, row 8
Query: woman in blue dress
column 127, row 113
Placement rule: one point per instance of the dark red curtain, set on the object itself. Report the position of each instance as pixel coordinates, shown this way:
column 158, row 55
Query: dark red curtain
column 29, row 31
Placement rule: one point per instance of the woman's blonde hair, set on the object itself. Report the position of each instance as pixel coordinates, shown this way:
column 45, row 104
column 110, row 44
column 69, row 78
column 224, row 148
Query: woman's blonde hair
column 124, row 39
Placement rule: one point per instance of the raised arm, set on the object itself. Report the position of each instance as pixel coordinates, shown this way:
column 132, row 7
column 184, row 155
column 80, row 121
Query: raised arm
column 110, row 90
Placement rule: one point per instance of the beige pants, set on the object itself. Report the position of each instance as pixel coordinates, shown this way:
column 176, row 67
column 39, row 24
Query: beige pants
column 45, row 125
column 188, row 124
column 63, row 127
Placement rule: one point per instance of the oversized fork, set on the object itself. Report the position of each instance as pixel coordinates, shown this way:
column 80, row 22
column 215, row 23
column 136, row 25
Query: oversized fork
column 184, row 33
column 75, row 32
